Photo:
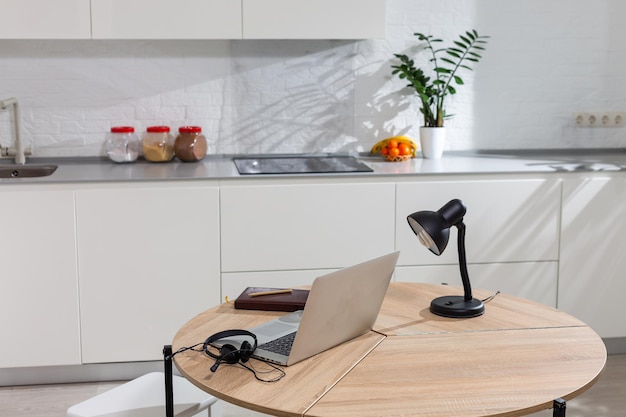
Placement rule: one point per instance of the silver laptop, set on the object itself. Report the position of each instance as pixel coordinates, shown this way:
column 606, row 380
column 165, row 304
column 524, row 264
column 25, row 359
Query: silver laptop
column 341, row 306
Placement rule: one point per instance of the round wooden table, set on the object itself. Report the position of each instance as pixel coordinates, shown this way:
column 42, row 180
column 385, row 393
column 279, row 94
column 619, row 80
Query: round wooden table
column 514, row 360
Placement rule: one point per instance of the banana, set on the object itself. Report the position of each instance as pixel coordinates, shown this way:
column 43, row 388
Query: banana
column 400, row 139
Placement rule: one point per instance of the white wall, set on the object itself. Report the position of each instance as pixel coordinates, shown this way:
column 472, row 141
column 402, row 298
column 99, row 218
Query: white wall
column 545, row 61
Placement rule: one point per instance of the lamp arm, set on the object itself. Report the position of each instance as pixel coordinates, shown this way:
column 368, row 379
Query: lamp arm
column 467, row 287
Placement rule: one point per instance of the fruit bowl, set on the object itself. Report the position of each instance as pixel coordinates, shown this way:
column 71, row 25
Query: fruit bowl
column 397, row 158
column 395, row 148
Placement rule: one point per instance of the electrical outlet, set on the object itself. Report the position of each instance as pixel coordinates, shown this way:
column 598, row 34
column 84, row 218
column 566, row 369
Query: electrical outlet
column 600, row 119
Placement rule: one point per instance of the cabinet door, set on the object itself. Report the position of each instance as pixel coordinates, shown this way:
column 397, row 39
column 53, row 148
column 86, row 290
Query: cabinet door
column 38, row 300
column 320, row 19
column 148, row 262
column 283, row 227
column 592, row 281
column 166, row 19
column 45, row 19
column 506, row 220
column 535, row 281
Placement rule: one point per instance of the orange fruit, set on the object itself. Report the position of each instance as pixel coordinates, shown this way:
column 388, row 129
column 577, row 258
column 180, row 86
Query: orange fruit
column 394, row 152
column 404, row 149
column 392, row 144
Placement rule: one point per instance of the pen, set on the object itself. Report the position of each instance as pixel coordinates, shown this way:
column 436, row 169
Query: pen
column 256, row 294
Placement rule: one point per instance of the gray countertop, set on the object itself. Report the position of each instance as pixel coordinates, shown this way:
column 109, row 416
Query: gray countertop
column 221, row 167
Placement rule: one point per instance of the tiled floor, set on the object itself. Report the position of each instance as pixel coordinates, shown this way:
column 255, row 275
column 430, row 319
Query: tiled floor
column 605, row 399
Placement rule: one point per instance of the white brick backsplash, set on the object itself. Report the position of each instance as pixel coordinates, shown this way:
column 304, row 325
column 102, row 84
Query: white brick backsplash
column 544, row 61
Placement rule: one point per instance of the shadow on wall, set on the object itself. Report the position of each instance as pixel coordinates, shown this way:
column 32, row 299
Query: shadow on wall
column 290, row 96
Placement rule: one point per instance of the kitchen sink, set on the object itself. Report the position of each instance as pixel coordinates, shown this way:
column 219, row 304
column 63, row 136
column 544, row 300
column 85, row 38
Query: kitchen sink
column 26, row 171
column 299, row 165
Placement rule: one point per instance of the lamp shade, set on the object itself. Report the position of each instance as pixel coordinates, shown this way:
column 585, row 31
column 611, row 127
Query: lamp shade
column 433, row 227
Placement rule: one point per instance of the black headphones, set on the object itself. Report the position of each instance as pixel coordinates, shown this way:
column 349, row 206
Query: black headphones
column 228, row 353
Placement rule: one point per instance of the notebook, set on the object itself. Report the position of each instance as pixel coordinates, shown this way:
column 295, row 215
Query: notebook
column 341, row 306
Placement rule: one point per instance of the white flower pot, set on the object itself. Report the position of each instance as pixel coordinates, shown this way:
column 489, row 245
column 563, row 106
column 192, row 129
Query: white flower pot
column 432, row 141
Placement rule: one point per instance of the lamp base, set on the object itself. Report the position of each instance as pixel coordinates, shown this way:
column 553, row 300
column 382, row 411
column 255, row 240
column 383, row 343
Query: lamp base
column 455, row 306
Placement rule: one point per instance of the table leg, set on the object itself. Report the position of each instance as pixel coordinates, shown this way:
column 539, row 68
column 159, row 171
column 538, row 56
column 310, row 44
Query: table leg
column 559, row 408
column 169, row 383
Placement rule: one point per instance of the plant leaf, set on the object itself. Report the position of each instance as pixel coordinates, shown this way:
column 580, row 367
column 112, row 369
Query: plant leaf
column 449, row 61
column 467, row 41
column 458, row 80
column 461, row 45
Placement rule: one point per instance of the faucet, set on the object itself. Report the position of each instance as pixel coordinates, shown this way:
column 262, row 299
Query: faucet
column 18, row 151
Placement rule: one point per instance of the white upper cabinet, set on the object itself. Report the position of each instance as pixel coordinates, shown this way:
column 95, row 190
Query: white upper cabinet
column 44, row 19
column 319, row 19
column 192, row 19
column 166, row 19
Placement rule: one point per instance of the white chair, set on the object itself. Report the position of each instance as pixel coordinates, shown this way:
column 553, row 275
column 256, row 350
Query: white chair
column 145, row 397
column 157, row 394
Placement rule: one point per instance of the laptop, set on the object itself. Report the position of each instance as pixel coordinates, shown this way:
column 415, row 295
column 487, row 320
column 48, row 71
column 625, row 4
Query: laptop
column 341, row 306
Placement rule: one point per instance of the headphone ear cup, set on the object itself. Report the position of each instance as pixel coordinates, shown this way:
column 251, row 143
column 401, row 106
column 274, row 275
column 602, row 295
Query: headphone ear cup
column 245, row 351
column 229, row 354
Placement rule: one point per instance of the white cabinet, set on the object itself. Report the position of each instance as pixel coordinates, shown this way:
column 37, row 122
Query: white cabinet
column 592, row 280
column 305, row 226
column 319, row 19
column 148, row 261
column 513, row 220
column 192, row 19
column 45, row 19
column 166, row 19
column 38, row 300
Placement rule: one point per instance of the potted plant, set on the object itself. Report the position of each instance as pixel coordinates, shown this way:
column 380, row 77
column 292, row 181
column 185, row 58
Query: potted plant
column 434, row 89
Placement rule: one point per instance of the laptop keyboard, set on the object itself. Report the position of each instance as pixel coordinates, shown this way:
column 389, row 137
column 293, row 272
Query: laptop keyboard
column 282, row 345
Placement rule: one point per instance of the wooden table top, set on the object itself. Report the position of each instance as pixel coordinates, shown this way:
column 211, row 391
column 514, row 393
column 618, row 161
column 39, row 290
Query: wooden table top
column 513, row 360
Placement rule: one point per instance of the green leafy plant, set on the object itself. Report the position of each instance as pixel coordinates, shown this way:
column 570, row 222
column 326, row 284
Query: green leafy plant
column 446, row 63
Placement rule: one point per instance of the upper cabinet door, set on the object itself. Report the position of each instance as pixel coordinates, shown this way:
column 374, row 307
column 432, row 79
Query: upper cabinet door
column 318, row 19
column 166, row 19
column 44, row 19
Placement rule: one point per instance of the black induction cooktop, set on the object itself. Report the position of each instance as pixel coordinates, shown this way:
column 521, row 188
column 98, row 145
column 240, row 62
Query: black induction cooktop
column 299, row 165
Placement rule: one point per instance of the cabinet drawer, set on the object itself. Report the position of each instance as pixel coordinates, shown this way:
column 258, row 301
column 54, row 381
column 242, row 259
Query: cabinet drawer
column 291, row 227
column 507, row 221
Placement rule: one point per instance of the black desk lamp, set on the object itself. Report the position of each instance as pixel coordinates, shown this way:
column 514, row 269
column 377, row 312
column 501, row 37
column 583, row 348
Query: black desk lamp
column 433, row 230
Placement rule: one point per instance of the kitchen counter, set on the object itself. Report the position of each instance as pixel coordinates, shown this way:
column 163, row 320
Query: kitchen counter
column 221, row 167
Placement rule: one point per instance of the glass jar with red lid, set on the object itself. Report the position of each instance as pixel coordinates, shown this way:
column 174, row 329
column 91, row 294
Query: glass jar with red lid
column 122, row 144
column 158, row 144
column 190, row 144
